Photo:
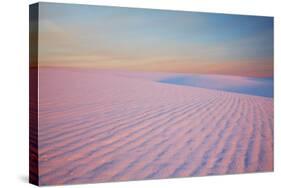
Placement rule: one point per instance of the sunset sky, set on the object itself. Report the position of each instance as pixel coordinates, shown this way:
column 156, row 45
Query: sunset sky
column 154, row 40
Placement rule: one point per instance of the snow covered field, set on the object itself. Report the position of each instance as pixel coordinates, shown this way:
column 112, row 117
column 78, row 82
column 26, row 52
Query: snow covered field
column 97, row 126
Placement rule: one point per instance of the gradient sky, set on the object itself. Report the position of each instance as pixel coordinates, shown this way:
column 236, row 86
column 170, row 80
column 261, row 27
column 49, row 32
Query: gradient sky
column 154, row 40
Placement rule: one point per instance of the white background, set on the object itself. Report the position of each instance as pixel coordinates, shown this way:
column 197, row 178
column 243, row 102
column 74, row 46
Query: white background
column 14, row 91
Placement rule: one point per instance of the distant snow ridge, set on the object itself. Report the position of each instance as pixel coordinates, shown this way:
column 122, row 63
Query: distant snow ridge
column 246, row 85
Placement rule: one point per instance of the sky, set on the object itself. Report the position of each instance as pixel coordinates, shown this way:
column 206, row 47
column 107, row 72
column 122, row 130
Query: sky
column 154, row 40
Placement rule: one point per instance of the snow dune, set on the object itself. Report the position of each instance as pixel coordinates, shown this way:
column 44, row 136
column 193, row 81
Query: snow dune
column 247, row 85
column 97, row 126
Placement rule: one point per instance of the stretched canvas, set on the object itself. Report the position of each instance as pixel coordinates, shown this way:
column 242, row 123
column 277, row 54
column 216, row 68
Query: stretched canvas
column 119, row 94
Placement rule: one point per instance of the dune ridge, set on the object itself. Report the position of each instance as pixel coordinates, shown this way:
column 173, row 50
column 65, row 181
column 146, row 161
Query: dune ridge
column 97, row 126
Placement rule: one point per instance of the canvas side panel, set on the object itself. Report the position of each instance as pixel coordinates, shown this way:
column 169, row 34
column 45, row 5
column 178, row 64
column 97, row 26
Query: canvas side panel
column 33, row 94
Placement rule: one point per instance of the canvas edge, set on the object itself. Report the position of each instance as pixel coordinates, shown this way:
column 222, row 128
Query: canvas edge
column 33, row 94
